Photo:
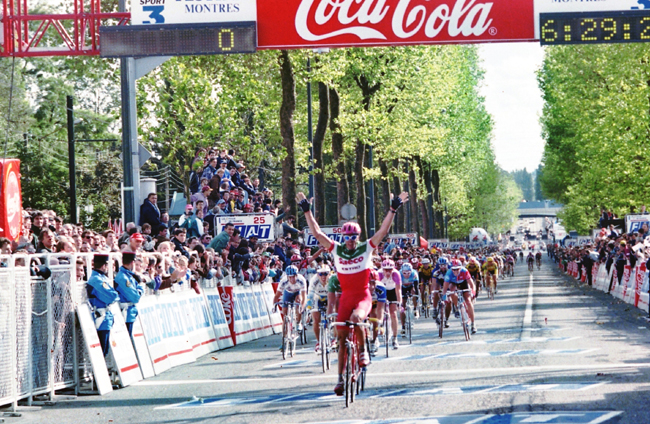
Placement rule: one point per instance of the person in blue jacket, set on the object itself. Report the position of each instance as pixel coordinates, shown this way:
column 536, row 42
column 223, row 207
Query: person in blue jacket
column 100, row 295
column 129, row 289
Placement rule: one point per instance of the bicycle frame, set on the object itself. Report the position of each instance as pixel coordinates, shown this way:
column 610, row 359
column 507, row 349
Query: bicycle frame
column 353, row 372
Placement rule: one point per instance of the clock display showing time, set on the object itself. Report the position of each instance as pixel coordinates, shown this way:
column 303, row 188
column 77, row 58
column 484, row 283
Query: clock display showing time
column 631, row 26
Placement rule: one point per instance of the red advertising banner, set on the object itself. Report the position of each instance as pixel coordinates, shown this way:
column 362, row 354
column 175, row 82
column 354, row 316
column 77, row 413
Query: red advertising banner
column 11, row 215
column 227, row 300
column 348, row 23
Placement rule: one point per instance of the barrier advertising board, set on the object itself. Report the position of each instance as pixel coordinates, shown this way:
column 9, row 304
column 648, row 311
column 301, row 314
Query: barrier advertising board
column 333, row 232
column 221, row 320
column 122, row 349
column 260, row 225
column 142, row 350
column 11, row 218
column 635, row 222
column 94, row 349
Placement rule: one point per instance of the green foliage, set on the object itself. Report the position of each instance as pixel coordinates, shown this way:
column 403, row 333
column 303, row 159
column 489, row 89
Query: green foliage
column 595, row 123
column 524, row 180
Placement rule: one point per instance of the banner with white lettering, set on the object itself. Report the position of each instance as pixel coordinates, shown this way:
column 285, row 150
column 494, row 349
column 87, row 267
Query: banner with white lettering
column 345, row 23
column 260, row 225
column 333, row 232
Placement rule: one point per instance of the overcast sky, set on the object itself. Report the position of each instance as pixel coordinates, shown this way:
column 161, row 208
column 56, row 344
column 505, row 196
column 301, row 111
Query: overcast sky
column 514, row 100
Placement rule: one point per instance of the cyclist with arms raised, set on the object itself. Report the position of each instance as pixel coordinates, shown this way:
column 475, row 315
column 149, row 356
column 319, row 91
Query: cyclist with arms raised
column 353, row 262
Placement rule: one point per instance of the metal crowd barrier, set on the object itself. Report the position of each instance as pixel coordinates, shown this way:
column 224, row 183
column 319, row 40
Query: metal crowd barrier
column 41, row 343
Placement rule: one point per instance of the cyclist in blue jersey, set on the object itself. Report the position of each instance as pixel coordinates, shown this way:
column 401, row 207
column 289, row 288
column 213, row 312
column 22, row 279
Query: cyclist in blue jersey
column 410, row 284
column 438, row 282
column 459, row 278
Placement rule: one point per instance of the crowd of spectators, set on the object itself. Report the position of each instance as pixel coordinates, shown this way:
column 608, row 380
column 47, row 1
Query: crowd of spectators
column 610, row 248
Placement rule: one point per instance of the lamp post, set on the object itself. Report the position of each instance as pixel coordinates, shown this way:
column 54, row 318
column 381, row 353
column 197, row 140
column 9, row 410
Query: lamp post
column 446, row 221
column 310, row 134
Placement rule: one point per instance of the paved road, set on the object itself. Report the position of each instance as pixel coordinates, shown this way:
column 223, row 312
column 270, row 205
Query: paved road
column 547, row 350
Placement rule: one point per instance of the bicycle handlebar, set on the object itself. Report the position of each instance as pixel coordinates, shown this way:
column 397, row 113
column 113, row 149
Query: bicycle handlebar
column 350, row 324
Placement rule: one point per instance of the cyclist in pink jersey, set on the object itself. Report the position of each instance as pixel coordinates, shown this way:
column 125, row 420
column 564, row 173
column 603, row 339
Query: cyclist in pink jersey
column 353, row 262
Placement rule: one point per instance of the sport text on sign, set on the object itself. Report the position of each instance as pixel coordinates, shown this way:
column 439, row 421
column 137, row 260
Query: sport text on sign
column 341, row 23
column 250, row 225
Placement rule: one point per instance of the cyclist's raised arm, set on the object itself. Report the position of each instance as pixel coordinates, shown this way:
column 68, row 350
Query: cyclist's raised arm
column 311, row 222
column 388, row 220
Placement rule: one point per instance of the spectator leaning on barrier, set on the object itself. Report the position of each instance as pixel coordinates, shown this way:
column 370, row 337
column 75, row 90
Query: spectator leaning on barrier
column 127, row 285
column 100, row 295
column 179, row 239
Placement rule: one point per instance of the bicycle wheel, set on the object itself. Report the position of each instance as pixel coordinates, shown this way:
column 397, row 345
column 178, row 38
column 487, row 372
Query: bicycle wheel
column 386, row 331
column 348, row 376
column 465, row 321
column 323, row 345
column 292, row 346
column 286, row 337
column 410, row 323
column 363, row 379
column 441, row 313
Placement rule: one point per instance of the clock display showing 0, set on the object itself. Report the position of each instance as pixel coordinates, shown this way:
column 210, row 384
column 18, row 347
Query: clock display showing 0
column 632, row 26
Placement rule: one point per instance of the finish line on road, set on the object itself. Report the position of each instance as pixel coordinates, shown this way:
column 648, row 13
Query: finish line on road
column 220, row 402
column 593, row 417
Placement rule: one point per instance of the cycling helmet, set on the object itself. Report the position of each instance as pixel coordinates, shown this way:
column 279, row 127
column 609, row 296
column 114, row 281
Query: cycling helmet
column 350, row 228
column 291, row 271
column 490, row 259
column 455, row 264
column 374, row 275
column 407, row 267
column 414, row 260
column 388, row 264
column 296, row 258
column 324, row 268
column 426, row 261
column 443, row 262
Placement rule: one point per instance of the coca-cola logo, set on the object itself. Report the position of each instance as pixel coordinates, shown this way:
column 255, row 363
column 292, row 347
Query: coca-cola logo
column 357, row 17
column 13, row 207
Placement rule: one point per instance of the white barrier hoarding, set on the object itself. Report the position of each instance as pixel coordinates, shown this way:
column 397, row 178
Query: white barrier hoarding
column 401, row 239
column 563, row 6
column 94, row 349
column 122, row 349
column 635, row 222
column 148, row 12
column 333, row 232
column 261, row 225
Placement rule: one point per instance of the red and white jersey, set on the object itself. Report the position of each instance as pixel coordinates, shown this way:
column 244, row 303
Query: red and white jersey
column 353, row 267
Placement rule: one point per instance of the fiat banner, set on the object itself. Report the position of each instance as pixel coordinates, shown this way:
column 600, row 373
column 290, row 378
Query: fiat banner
column 11, row 209
column 345, row 23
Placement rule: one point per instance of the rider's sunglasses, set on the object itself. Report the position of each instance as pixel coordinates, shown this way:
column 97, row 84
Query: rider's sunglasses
column 353, row 237
column 322, row 274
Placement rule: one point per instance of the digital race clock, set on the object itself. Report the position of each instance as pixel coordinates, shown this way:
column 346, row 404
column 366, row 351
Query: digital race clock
column 631, row 26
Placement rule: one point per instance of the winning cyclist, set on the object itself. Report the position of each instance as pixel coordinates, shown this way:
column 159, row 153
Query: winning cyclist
column 353, row 262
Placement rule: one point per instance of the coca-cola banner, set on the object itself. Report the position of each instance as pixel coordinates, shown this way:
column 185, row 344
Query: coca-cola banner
column 11, row 204
column 345, row 23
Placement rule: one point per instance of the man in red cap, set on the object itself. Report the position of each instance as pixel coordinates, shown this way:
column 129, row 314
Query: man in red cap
column 135, row 243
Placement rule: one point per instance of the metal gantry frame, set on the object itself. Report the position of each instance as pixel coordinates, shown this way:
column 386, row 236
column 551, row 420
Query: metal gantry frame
column 22, row 34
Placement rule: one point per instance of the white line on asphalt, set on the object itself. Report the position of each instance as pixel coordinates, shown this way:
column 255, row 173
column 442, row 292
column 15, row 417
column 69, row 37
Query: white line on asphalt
column 528, row 315
column 531, row 369
column 606, row 418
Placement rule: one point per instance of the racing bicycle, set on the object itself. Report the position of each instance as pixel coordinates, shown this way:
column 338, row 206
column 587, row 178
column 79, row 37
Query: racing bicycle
column 409, row 317
column 289, row 330
column 355, row 376
column 325, row 341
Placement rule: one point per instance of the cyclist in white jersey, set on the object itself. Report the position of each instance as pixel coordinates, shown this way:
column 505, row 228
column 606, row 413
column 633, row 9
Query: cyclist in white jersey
column 317, row 299
column 353, row 262
column 292, row 288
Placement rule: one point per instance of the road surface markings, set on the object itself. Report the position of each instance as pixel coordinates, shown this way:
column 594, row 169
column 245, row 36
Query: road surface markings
column 555, row 417
column 219, row 402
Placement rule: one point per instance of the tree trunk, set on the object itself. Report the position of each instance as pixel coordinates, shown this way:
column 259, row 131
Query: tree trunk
column 342, row 188
column 424, row 217
column 385, row 186
column 413, row 199
column 319, row 136
column 430, row 211
column 287, row 110
column 360, row 153
column 399, row 219
column 439, row 218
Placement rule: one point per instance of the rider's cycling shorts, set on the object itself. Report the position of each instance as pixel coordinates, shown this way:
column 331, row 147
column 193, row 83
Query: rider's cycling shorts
column 321, row 302
column 380, row 292
column 493, row 272
column 289, row 297
column 391, row 296
column 348, row 303
column 461, row 286
column 412, row 289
